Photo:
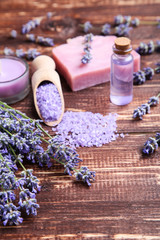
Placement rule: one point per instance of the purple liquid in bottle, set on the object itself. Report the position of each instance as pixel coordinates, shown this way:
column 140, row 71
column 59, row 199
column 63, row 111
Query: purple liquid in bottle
column 121, row 86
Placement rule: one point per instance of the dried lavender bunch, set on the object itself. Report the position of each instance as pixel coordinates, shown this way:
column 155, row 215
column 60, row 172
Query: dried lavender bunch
column 151, row 145
column 145, row 108
column 32, row 24
column 30, row 143
column 87, row 46
column 141, row 76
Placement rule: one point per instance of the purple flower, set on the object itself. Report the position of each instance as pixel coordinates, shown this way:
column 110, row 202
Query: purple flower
column 118, row 20
column 149, row 72
column 86, row 58
column 32, row 54
column 45, row 41
column 30, row 206
column 153, row 101
column 122, row 30
column 139, row 77
column 140, row 111
column 31, row 37
column 135, row 22
column 145, row 49
column 127, row 20
column 150, row 146
column 32, row 24
column 7, row 51
column 87, row 26
column 85, row 175
column 13, row 33
column 10, row 214
column 106, row 29
column 20, row 53
column 30, row 181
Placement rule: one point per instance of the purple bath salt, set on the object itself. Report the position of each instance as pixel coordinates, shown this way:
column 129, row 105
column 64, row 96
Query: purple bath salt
column 49, row 102
column 86, row 129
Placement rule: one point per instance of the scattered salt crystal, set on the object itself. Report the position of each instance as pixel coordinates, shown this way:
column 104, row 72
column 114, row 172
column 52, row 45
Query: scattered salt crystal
column 49, row 102
column 87, row 129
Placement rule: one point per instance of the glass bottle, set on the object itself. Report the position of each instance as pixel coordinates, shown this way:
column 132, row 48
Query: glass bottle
column 121, row 85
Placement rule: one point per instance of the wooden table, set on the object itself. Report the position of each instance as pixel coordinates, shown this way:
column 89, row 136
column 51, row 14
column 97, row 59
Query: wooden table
column 124, row 201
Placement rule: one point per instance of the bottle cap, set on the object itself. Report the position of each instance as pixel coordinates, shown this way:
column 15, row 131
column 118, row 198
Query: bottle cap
column 122, row 45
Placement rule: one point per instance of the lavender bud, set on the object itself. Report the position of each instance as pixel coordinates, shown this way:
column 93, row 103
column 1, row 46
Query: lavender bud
column 139, row 78
column 106, row 29
column 87, row 26
column 13, row 33
column 149, row 72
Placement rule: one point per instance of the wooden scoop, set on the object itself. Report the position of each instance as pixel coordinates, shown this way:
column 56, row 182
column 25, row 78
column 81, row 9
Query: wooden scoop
column 44, row 71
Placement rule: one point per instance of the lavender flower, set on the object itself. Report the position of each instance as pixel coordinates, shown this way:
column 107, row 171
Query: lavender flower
column 85, row 175
column 32, row 54
column 118, row 20
column 145, row 108
column 106, row 29
column 87, row 56
column 13, row 33
column 31, row 37
column 87, row 26
column 150, row 146
column 139, row 78
column 149, row 72
column 153, row 101
column 10, row 215
column 7, row 51
column 122, row 30
column 32, row 24
column 127, row 20
column 142, row 49
column 145, row 49
column 20, row 53
column 135, row 22
column 45, row 41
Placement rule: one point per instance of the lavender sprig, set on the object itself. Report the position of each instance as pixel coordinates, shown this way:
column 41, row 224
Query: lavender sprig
column 29, row 55
column 148, row 48
column 122, row 30
column 32, row 24
column 145, row 108
column 151, row 145
column 141, row 76
column 87, row 46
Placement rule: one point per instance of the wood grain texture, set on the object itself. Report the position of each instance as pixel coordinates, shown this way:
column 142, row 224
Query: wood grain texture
column 124, row 201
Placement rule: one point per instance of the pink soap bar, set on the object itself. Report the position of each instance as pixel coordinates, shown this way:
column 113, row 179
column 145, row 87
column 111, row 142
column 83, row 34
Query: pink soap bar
column 78, row 75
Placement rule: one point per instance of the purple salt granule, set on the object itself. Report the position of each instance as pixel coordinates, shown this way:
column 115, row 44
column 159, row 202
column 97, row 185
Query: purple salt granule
column 86, row 129
column 49, row 102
